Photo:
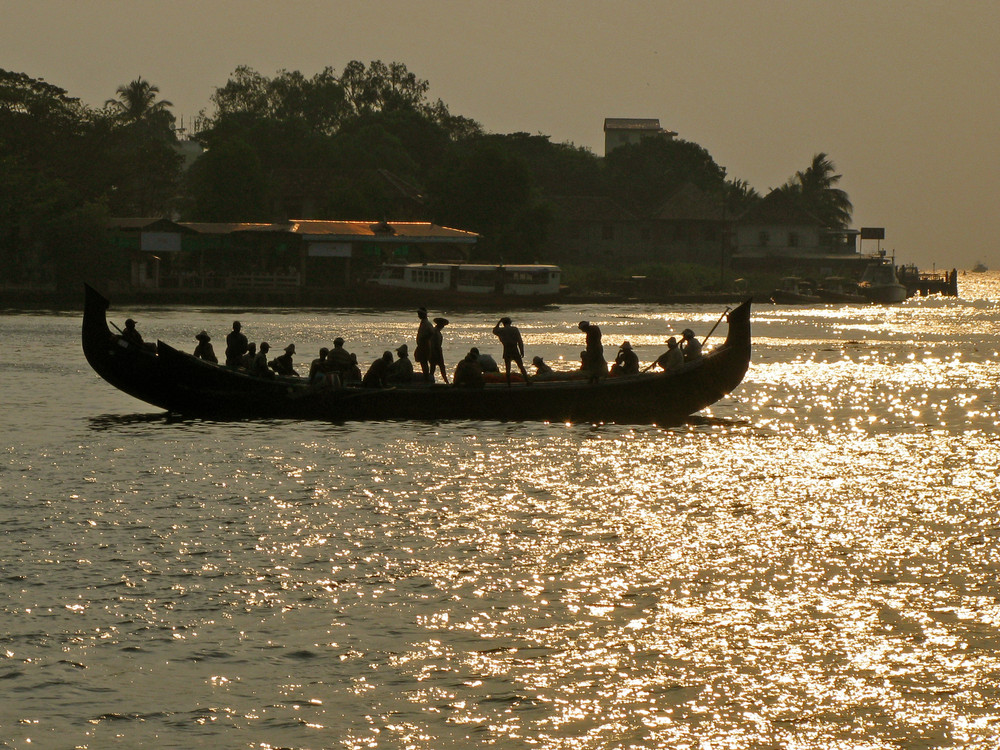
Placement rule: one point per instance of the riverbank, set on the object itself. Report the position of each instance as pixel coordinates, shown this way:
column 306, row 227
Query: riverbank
column 14, row 300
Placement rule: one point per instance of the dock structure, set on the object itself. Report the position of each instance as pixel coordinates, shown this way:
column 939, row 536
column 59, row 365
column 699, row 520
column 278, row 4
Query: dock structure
column 923, row 284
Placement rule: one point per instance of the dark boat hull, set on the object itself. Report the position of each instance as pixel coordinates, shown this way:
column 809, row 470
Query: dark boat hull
column 180, row 383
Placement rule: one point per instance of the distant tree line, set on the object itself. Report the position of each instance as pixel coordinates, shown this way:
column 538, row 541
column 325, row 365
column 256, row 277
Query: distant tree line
column 341, row 143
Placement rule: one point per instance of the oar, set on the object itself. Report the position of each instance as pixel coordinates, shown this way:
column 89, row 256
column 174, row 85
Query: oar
column 724, row 314
column 117, row 328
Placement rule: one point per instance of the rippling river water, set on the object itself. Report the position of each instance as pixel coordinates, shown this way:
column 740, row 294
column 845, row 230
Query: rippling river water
column 812, row 564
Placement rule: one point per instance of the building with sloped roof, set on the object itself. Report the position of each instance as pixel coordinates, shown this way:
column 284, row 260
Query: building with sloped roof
column 286, row 258
column 777, row 235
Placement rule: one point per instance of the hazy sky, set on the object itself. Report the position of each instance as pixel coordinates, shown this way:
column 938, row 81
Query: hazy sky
column 903, row 96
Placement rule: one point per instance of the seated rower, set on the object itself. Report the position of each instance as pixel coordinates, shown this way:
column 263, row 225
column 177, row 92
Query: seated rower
column 670, row 359
column 317, row 368
column 469, row 372
column 259, row 366
column 401, row 371
column 204, row 349
column 690, row 345
column 627, row 362
column 541, row 368
column 246, row 361
column 133, row 337
column 375, row 377
column 282, row 364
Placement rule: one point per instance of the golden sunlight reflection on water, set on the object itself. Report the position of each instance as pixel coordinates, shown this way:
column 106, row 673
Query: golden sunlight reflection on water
column 811, row 564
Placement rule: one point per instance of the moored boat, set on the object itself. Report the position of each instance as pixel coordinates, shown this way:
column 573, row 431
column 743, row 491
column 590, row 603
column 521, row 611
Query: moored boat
column 880, row 283
column 794, row 291
column 183, row 384
column 839, row 289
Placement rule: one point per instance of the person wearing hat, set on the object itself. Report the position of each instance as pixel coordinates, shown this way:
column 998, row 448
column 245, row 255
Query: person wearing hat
column 204, row 349
column 627, row 361
column 513, row 347
column 595, row 364
column 401, row 371
column 690, row 345
column 671, row 359
column 282, row 364
column 422, row 353
column 540, row 367
column 236, row 345
column 436, row 354
column 130, row 334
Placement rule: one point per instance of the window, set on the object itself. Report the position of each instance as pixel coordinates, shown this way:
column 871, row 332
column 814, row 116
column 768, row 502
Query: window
column 793, row 239
column 764, row 239
column 608, row 232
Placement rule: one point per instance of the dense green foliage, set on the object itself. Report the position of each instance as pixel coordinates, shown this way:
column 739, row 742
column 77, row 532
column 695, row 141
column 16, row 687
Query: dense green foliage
column 363, row 143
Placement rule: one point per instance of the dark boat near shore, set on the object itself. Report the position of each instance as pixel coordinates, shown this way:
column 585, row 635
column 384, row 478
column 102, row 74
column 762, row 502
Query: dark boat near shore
column 182, row 384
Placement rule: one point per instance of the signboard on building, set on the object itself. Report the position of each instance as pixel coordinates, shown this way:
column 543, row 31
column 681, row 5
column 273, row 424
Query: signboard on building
column 873, row 233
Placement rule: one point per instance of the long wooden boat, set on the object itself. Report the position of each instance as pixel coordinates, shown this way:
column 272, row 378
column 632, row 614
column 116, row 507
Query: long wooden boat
column 182, row 384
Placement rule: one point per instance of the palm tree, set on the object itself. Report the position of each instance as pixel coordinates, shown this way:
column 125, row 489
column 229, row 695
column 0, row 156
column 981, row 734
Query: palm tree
column 816, row 192
column 136, row 102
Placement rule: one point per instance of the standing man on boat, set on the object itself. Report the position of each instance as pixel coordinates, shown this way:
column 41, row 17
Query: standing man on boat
column 236, row 345
column 513, row 347
column 437, row 349
column 425, row 334
column 595, row 364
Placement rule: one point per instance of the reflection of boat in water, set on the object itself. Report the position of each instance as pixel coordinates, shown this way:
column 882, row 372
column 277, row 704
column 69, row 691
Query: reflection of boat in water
column 839, row 289
column 467, row 282
column 880, row 283
column 794, row 291
column 185, row 385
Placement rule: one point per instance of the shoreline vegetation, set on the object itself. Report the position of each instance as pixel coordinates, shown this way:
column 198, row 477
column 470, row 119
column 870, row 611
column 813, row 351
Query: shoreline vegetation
column 365, row 141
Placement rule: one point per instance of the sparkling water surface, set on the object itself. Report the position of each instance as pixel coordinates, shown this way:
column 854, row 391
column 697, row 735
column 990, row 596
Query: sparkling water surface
column 813, row 563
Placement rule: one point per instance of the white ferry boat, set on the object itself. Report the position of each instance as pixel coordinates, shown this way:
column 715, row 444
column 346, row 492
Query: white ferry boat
column 472, row 281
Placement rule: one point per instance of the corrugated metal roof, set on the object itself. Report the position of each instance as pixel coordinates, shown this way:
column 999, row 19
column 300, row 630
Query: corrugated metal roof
column 398, row 231
column 393, row 231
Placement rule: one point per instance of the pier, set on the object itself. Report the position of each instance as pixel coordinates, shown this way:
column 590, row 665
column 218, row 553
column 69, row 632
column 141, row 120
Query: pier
column 944, row 283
